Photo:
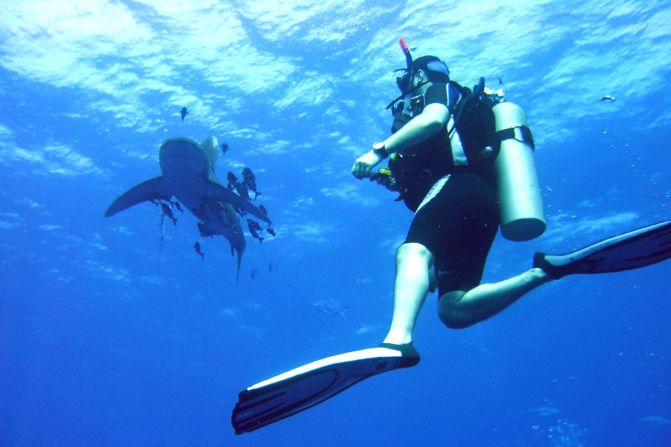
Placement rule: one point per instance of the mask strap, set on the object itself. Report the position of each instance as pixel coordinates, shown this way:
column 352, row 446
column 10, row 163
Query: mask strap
column 404, row 94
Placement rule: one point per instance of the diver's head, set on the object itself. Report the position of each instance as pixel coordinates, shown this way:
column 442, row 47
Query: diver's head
column 421, row 71
column 417, row 76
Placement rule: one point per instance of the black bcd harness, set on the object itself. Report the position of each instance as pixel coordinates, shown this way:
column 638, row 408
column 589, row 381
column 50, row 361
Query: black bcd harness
column 481, row 142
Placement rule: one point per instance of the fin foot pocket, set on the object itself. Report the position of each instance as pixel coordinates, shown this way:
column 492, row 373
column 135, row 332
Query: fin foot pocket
column 409, row 355
column 308, row 385
column 634, row 249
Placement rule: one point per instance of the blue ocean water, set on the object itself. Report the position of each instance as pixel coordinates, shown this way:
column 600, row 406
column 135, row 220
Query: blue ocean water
column 113, row 332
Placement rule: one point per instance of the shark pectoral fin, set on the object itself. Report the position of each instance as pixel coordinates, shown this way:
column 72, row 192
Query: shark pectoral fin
column 222, row 194
column 155, row 188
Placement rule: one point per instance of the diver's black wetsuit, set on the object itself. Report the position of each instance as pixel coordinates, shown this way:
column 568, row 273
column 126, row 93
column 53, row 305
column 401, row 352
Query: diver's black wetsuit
column 455, row 204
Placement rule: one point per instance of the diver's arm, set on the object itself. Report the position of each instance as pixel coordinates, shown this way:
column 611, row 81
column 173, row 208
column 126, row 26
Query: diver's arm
column 433, row 118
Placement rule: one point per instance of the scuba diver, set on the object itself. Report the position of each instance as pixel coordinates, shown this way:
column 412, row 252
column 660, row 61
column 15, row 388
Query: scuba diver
column 462, row 161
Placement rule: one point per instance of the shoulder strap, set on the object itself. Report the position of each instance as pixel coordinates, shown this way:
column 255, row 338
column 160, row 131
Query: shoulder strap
column 466, row 96
column 455, row 100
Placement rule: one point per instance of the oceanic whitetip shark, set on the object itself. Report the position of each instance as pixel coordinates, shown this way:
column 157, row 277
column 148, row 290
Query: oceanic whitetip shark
column 188, row 174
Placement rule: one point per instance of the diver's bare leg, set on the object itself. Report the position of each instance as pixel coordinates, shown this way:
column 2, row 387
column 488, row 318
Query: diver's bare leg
column 459, row 309
column 414, row 264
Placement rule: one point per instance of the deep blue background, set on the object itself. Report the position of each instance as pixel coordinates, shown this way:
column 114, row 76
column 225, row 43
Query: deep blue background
column 109, row 337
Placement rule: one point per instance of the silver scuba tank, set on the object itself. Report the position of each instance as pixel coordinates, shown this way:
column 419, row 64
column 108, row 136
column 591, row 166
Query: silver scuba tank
column 520, row 203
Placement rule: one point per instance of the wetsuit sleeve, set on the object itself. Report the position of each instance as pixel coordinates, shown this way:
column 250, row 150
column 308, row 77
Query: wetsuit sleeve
column 436, row 93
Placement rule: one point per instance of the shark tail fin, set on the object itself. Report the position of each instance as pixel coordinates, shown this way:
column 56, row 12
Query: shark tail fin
column 152, row 189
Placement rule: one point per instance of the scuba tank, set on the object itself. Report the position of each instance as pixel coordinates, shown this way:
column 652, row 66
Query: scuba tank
column 520, row 204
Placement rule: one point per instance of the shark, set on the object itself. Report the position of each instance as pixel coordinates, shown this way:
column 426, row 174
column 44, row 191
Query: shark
column 188, row 174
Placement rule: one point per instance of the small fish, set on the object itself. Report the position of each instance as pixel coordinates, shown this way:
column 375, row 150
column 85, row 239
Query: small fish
column 607, row 98
column 544, row 410
column 240, row 211
column 196, row 247
column 183, row 113
column 270, row 230
column 271, row 266
column 330, row 307
column 253, row 273
column 254, row 229
column 177, row 206
column 655, row 421
column 242, row 191
column 168, row 212
column 224, row 148
column 250, row 181
column 232, row 180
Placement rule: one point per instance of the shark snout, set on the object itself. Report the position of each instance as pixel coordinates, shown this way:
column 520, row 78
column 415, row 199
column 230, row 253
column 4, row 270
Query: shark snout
column 180, row 160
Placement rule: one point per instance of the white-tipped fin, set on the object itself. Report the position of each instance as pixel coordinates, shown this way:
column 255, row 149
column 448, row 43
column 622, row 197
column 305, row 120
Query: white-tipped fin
column 153, row 189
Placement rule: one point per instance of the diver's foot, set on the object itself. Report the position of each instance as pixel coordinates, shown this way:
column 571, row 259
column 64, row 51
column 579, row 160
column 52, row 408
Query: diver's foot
column 409, row 355
column 558, row 266
column 553, row 271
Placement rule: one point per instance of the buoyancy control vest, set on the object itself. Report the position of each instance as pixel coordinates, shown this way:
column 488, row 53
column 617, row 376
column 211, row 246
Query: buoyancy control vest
column 458, row 147
column 485, row 136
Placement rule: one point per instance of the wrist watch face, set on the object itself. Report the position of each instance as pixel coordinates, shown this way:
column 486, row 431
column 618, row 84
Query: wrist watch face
column 379, row 149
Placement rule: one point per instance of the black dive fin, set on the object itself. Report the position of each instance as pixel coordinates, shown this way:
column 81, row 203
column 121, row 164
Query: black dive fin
column 153, row 189
column 635, row 249
column 306, row 386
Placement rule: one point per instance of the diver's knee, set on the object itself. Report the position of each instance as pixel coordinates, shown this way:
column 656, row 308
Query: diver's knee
column 413, row 250
column 450, row 313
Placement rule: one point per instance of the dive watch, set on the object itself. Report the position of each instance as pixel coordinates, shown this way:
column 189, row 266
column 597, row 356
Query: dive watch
column 380, row 149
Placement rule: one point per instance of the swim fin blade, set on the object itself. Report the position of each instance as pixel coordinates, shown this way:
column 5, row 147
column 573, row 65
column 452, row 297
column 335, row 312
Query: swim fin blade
column 308, row 385
column 631, row 250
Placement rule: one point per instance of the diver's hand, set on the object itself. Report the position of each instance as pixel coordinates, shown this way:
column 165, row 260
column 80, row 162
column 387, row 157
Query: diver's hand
column 364, row 165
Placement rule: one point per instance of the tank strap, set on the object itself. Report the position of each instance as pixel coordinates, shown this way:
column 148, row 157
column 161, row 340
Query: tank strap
column 519, row 133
